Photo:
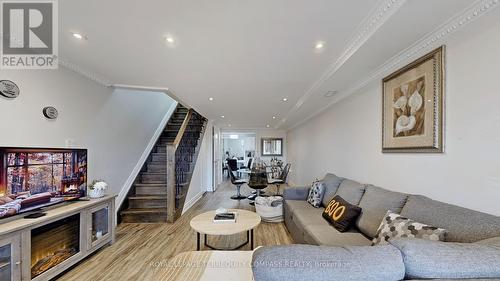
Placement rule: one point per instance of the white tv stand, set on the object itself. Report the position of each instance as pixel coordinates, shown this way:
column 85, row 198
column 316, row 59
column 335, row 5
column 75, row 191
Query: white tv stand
column 29, row 248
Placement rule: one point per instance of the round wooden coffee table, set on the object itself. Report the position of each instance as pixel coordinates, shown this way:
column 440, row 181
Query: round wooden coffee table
column 245, row 221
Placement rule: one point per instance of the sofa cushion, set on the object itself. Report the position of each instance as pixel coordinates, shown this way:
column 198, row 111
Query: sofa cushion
column 325, row 234
column 375, row 203
column 351, row 191
column 332, row 183
column 396, row 226
column 291, row 207
column 309, row 216
column 341, row 214
column 306, row 262
column 431, row 259
column 493, row 242
column 462, row 225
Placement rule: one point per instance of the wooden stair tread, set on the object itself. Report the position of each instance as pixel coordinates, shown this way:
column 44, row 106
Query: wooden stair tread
column 151, row 184
column 144, row 211
column 148, row 197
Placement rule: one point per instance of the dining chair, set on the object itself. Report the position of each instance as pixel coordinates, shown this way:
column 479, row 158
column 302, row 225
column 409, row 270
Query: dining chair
column 238, row 182
column 281, row 180
column 257, row 181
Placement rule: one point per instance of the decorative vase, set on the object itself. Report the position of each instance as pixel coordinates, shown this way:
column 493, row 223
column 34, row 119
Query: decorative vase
column 96, row 193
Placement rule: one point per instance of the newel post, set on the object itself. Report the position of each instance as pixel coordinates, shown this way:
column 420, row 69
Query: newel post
column 171, row 189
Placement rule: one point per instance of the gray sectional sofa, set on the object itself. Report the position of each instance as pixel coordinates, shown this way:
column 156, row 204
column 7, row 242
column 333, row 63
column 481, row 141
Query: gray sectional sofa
column 307, row 226
column 471, row 250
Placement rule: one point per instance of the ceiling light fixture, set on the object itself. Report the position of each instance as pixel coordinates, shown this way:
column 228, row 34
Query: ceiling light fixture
column 319, row 45
column 274, row 117
column 330, row 94
column 285, row 99
column 171, row 41
column 78, row 36
column 222, row 116
column 210, row 99
column 267, row 126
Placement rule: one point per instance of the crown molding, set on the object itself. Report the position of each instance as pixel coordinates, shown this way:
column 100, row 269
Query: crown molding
column 422, row 46
column 89, row 75
column 375, row 19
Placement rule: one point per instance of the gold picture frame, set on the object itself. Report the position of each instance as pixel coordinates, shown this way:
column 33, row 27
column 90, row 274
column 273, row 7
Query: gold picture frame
column 412, row 106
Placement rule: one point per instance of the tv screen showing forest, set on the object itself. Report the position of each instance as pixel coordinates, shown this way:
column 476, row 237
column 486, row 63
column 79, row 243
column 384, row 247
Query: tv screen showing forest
column 32, row 177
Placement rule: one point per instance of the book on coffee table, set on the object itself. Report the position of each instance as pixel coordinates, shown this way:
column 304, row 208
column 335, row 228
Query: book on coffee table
column 225, row 217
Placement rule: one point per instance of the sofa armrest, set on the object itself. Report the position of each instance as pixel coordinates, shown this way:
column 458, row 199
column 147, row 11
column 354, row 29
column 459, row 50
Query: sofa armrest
column 296, row 193
column 307, row 262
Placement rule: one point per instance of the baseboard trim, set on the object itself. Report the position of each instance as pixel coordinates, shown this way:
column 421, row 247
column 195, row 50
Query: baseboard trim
column 145, row 154
column 192, row 201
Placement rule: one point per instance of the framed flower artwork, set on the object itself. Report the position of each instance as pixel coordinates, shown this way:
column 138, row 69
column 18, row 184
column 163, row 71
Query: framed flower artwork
column 413, row 103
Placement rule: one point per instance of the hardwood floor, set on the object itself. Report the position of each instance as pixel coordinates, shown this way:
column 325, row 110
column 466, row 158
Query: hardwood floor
column 139, row 248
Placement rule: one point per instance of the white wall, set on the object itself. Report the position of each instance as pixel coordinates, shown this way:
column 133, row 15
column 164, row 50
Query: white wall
column 346, row 139
column 114, row 125
column 201, row 181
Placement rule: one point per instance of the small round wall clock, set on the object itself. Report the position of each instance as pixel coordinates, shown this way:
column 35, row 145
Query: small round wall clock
column 50, row 112
column 9, row 89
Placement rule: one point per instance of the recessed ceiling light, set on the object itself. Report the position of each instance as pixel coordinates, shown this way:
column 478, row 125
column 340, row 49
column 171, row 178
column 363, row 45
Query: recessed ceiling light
column 78, row 36
column 285, row 99
column 222, row 116
column 330, row 94
column 229, row 125
column 319, row 45
column 171, row 41
column 210, row 99
column 274, row 117
column 267, row 126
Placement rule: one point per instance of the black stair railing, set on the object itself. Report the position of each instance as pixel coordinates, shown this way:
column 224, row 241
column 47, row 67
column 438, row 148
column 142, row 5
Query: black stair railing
column 181, row 158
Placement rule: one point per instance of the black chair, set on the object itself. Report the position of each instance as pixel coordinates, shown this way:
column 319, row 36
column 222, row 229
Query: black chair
column 238, row 183
column 232, row 164
column 281, row 180
column 247, row 169
column 224, row 169
column 258, row 181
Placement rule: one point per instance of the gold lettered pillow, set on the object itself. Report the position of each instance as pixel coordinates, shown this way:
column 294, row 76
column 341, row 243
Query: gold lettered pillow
column 341, row 214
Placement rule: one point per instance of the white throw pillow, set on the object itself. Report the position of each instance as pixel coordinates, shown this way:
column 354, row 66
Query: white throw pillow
column 316, row 194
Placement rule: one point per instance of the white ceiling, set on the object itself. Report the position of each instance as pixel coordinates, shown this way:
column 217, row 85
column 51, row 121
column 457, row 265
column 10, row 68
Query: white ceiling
column 247, row 55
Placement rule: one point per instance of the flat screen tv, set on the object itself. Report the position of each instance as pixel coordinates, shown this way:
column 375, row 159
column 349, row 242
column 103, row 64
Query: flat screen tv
column 32, row 178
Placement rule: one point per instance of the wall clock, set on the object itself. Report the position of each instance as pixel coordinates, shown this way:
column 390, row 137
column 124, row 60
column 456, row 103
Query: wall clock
column 9, row 89
column 50, row 112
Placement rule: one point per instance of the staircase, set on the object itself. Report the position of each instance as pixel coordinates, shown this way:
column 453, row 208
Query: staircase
column 160, row 189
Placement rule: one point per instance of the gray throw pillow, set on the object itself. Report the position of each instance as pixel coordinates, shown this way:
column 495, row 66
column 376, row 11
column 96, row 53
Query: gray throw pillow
column 316, row 194
column 397, row 226
column 425, row 259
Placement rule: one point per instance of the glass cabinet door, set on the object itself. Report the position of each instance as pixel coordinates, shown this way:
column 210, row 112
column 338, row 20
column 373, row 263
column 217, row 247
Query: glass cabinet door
column 10, row 264
column 99, row 222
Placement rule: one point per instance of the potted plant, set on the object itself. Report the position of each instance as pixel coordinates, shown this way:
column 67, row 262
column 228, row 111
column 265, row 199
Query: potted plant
column 97, row 188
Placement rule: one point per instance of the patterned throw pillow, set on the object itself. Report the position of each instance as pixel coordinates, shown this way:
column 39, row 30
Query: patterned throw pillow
column 316, row 194
column 341, row 214
column 395, row 226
